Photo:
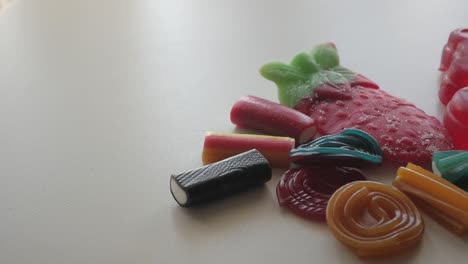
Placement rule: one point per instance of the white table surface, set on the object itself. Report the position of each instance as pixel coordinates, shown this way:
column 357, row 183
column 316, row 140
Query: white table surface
column 101, row 101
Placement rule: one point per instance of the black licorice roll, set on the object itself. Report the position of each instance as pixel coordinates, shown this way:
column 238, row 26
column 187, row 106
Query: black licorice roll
column 220, row 179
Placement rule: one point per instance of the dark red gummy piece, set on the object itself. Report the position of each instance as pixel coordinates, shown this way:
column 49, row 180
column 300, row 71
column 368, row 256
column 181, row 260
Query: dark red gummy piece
column 404, row 132
column 306, row 191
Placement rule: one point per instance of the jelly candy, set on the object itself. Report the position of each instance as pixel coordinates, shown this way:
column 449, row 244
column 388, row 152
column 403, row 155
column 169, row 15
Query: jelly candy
column 454, row 64
column 350, row 148
column 219, row 146
column 306, row 191
column 456, row 47
column 272, row 118
column 456, row 119
column 374, row 219
column 455, row 78
column 337, row 98
column 452, row 166
column 442, row 200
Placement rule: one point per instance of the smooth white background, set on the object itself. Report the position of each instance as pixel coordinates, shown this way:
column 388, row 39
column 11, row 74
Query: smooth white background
column 101, row 101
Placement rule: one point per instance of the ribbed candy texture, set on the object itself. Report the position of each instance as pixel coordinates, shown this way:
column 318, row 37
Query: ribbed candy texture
column 442, row 200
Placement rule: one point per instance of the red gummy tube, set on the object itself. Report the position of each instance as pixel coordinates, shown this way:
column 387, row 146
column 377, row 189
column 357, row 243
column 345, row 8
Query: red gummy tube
column 456, row 119
column 219, row 146
column 272, row 118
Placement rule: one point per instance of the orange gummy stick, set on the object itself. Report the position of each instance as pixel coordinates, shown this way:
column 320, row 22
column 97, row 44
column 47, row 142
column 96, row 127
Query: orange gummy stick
column 219, row 146
column 440, row 199
column 374, row 219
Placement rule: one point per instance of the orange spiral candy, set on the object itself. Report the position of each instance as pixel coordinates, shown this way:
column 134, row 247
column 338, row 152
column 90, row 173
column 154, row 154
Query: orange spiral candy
column 374, row 219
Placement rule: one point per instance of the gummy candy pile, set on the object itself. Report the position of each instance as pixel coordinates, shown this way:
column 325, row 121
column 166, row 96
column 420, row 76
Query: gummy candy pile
column 332, row 121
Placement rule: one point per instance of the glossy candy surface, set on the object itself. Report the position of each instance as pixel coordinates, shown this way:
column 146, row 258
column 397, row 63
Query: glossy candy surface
column 337, row 98
column 306, row 191
column 456, row 119
column 351, row 147
column 374, row 219
column 219, row 146
column 272, row 118
column 442, row 200
column 452, row 166
column 454, row 79
column 456, row 47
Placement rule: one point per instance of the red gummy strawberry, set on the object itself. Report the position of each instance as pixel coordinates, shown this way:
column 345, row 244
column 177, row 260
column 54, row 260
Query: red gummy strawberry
column 338, row 98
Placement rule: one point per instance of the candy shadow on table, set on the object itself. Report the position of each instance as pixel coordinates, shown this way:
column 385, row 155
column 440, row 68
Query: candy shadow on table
column 222, row 214
column 348, row 256
column 444, row 235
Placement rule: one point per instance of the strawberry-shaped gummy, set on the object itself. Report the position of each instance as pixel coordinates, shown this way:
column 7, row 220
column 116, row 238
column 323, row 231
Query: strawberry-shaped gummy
column 338, row 98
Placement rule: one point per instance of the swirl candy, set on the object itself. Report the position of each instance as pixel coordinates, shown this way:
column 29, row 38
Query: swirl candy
column 442, row 200
column 306, row 191
column 374, row 219
column 350, row 147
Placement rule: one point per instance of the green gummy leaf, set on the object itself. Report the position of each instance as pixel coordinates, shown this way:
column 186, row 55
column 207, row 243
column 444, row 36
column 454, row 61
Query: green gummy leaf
column 326, row 55
column 305, row 62
column 305, row 73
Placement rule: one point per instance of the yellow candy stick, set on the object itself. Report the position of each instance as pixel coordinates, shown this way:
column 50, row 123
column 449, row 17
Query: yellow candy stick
column 443, row 201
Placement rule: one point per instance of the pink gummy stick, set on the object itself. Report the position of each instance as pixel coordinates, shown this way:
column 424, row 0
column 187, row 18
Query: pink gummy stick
column 272, row 118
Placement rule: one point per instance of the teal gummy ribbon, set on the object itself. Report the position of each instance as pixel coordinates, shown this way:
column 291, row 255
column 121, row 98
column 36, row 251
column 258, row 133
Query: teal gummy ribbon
column 350, row 142
column 305, row 72
column 452, row 166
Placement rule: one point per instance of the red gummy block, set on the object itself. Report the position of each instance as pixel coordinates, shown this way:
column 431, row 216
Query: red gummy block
column 272, row 118
column 456, row 119
column 455, row 78
column 306, row 191
column 456, row 47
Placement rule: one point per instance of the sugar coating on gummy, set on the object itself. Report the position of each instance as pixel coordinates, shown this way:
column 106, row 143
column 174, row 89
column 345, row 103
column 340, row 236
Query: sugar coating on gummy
column 338, row 98
column 220, row 179
column 272, row 118
column 219, row 146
